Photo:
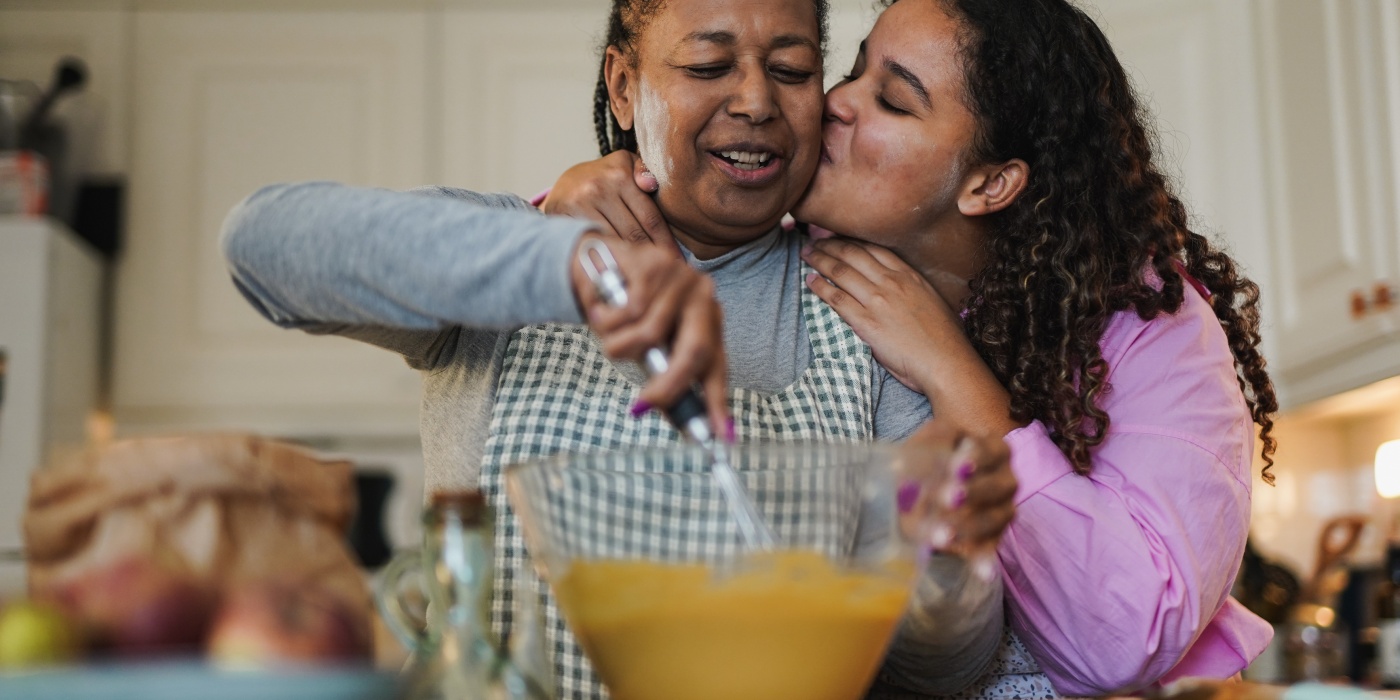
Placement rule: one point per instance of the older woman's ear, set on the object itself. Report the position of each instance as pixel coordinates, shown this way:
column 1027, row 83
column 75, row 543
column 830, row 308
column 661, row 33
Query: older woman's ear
column 618, row 72
column 992, row 188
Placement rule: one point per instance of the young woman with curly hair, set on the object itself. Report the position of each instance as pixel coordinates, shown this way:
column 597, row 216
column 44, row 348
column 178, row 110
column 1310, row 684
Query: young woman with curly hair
column 1010, row 249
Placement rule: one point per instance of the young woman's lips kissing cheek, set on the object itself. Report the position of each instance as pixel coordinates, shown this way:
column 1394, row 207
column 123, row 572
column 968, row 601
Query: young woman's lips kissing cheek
column 748, row 164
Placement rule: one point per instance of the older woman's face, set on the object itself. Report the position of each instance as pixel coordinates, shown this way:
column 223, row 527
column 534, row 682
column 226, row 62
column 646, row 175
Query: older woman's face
column 897, row 132
column 726, row 99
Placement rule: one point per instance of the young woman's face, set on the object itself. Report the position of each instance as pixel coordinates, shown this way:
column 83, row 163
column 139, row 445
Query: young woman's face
column 726, row 99
column 897, row 133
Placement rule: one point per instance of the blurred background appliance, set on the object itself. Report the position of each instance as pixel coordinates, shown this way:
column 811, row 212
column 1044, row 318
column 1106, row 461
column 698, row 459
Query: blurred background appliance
column 50, row 285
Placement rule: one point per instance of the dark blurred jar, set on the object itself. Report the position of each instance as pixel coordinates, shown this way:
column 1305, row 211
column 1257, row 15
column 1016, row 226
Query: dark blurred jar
column 1314, row 646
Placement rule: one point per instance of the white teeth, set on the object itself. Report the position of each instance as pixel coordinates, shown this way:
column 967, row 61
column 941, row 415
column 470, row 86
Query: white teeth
column 747, row 158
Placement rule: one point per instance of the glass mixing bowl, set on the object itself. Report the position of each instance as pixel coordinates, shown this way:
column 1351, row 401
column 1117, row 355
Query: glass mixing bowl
column 666, row 600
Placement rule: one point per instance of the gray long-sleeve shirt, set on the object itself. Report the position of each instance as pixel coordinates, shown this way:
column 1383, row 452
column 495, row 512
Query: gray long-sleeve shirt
column 444, row 276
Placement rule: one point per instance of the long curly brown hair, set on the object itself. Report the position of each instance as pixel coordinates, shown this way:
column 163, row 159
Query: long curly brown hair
column 1046, row 87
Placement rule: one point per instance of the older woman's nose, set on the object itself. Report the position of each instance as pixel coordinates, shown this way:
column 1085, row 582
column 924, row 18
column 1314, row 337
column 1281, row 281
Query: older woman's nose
column 755, row 98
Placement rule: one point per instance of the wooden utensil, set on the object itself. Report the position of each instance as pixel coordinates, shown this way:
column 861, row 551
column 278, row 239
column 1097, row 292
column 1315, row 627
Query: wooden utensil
column 1339, row 537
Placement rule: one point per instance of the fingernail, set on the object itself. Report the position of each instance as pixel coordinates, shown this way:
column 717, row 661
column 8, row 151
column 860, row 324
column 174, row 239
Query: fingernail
column 806, row 248
column 965, row 471
column 954, row 496
column 984, row 567
column 640, row 408
column 941, row 536
column 907, row 496
column 729, row 430
column 811, row 276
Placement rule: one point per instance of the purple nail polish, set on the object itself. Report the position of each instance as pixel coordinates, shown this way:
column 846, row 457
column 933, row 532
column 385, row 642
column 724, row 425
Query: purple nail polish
column 965, row 471
column 729, row 430
column 907, row 495
column 941, row 536
column 959, row 498
column 640, row 408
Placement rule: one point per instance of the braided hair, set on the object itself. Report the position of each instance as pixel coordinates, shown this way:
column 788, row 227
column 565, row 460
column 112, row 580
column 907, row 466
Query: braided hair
column 626, row 21
column 1045, row 87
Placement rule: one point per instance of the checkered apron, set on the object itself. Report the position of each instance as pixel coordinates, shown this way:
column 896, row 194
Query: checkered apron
column 559, row 394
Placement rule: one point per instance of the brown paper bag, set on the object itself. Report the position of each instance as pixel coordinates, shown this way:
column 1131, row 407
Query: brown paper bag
column 227, row 509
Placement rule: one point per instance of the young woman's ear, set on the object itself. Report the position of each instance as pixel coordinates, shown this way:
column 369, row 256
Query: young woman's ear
column 618, row 74
column 994, row 187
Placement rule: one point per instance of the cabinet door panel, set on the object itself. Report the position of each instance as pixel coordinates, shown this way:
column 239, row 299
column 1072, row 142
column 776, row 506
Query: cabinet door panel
column 1330, row 130
column 515, row 118
column 226, row 102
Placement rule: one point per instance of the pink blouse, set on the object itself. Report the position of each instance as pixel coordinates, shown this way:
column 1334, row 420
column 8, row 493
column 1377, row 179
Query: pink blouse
column 1121, row 579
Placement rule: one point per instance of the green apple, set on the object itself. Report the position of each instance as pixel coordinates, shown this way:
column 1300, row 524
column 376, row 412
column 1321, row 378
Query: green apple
column 35, row 634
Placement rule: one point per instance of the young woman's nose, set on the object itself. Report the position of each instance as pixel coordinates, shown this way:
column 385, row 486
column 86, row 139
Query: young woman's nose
column 840, row 103
column 755, row 99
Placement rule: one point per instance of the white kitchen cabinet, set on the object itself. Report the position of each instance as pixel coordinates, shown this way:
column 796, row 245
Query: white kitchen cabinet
column 514, row 120
column 224, row 102
column 1331, row 84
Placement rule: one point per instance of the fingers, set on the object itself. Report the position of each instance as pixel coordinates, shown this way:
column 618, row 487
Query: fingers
column 967, row 497
column 655, row 316
column 645, row 224
column 880, row 254
column 836, row 263
column 984, row 528
column 610, row 192
column 670, row 306
column 585, row 293
column 646, row 181
column 695, row 351
column 847, row 306
column 990, row 489
column 616, row 212
column 861, row 257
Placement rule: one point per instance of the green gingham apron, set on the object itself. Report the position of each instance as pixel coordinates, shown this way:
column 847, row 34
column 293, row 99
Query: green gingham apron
column 558, row 394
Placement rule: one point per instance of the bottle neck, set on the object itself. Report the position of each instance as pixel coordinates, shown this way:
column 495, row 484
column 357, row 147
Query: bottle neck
column 460, row 543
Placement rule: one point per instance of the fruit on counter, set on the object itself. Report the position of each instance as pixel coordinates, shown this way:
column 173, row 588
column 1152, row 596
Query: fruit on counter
column 34, row 633
column 138, row 608
column 274, row 623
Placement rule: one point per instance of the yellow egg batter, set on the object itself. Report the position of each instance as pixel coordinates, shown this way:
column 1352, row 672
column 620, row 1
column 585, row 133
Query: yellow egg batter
column 791, row 625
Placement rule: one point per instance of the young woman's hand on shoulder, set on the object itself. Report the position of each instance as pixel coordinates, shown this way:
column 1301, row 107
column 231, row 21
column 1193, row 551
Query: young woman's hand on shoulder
column 912, row 330
column 890, row 305
column 614, row 192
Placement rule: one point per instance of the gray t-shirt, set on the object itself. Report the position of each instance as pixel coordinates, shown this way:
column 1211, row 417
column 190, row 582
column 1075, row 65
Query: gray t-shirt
column 443, row 277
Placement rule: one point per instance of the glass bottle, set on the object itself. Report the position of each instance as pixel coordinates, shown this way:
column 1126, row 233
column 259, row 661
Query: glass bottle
column 528, row 673
column 454, row 657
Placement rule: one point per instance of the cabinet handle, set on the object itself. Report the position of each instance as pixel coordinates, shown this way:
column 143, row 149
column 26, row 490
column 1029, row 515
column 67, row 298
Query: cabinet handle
column 1383, row 297
column 1358, row 304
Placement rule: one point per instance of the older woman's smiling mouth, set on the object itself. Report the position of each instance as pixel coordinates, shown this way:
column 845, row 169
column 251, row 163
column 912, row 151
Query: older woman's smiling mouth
column 748, row 164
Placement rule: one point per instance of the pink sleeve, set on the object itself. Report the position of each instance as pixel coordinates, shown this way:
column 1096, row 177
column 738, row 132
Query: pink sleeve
column 1111, row 578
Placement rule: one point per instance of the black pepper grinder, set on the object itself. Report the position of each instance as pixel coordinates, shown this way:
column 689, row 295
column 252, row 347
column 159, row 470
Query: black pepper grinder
column 366, row 534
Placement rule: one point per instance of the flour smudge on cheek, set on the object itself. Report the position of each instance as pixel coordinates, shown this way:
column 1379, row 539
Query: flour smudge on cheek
column 654, row 133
